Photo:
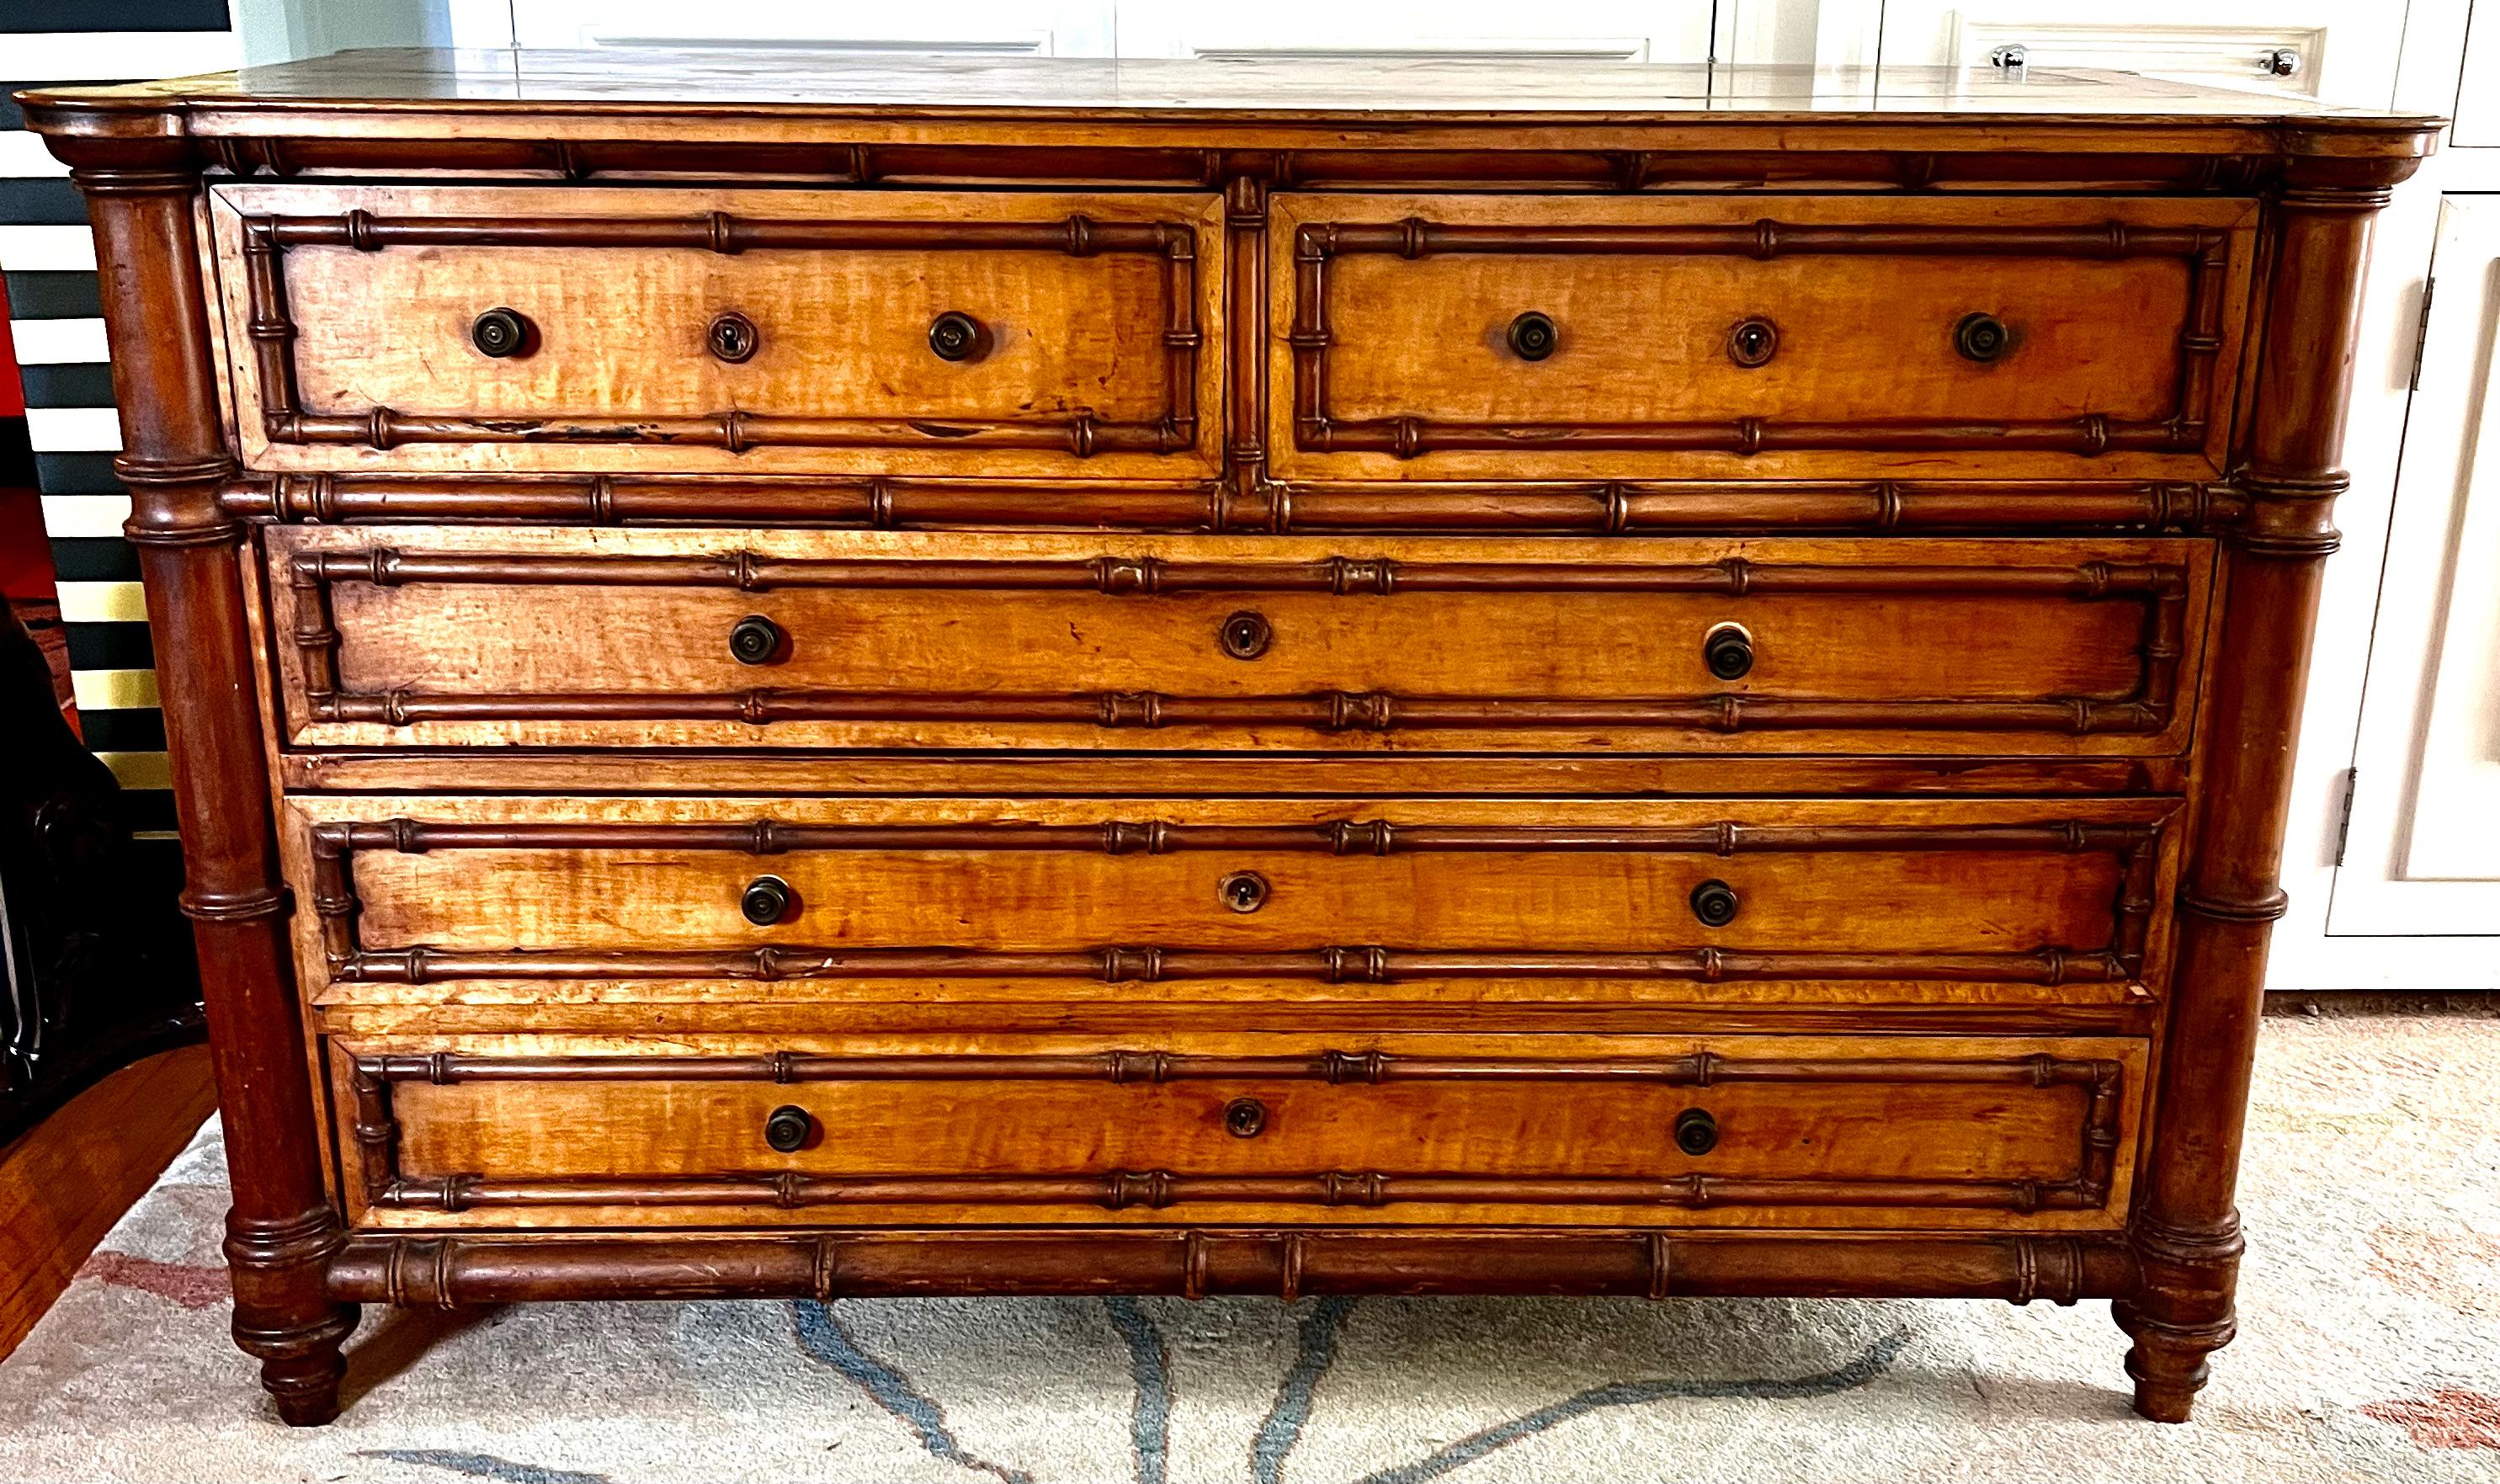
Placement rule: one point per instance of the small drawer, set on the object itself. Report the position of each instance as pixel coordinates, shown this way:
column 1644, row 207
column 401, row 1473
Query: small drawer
column 528, row 1130
column 1411, row 900
column 1510, row 338
column 497, row 329
column 478, row 635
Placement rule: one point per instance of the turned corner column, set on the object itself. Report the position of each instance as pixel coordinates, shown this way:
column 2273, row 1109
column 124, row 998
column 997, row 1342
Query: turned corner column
column 2184, row 1229
column 142, row 182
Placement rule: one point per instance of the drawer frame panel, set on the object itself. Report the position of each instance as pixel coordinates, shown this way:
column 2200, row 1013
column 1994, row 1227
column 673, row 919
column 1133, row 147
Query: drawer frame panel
column 376, row 1130
column 333, row 844
column 2186, row 430
column 2148, row 710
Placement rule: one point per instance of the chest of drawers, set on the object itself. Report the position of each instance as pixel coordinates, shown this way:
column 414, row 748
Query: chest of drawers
column 817, row 678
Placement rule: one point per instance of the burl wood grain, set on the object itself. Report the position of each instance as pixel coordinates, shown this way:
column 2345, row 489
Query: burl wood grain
column 465, row 636
column 1569, row 1130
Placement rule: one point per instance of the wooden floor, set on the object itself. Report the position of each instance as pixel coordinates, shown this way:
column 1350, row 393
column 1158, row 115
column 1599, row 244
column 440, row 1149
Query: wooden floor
column 65, row 1182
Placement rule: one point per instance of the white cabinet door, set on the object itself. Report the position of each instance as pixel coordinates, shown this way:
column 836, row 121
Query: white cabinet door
column 2341, row 50
column 1591, row 30
column 2422, row 850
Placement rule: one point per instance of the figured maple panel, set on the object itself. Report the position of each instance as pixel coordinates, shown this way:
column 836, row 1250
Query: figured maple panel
column 479, row 636
column 1768, row 334
column 1097, row 322
column 449, row 899
column 1654, row 1131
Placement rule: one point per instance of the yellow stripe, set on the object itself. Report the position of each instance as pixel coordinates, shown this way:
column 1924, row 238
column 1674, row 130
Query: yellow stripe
column 114, row 690
column 103, row 603
column 139, row 769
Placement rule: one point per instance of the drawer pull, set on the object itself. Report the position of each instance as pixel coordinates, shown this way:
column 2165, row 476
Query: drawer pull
column 1243, row 891
column 1245, row 635
column 1982, row 338
column 1753, row 343
column 1715, row 902
column 501, row 333
column 1246, row 1118
column 766, row 901
column 956, row 335
column 788, row 1128
column 1533, row 336
column 1696, row 1132
column 755, row 640
column 1729, row 650
column 732, row 337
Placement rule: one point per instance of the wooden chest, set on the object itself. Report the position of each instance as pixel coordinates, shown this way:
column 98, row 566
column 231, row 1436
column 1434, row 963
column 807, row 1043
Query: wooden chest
column 931, row 679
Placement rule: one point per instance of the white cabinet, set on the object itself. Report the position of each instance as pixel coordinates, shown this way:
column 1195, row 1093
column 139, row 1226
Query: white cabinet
column 2343, row 50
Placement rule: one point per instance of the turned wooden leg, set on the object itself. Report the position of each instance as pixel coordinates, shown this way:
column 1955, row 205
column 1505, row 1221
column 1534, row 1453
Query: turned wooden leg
column 283, row 1230
column 2184, row 1228
column 2180, row 1314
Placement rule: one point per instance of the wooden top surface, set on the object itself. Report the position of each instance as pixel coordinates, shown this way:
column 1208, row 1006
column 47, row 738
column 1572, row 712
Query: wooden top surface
column 1298, row 90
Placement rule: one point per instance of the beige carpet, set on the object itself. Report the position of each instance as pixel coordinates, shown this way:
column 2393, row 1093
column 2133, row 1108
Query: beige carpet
column 2369, row 1349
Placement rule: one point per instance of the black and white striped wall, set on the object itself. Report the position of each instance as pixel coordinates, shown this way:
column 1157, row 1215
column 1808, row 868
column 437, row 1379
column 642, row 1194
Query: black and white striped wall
column 49, row 262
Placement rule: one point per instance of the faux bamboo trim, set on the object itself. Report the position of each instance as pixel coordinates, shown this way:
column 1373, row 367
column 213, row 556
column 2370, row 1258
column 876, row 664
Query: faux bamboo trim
column 376, row 1131
column 284, row 419
column 335, row 842
column 2184, row 430
column 1197, row 1261
column 1245, row 502
column 2146, row 709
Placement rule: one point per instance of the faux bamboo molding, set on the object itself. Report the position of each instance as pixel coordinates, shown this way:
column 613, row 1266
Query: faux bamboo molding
column 2200, row 340
column 377, row 1133
column 333, row 843
column 271, row 332
column 1201, row 1262
column 2144, row 711
column 1244, row 504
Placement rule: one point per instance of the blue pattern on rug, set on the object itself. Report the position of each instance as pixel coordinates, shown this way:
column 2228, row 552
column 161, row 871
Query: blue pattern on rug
column 483, row 1465
column 825, row 1340
column 1315, row 1350
column 1878, row 1359
column 1150, row 1364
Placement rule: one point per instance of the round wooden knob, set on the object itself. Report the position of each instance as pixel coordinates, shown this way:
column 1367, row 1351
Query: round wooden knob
column 1246, row 636
column 500, row 333
column 1243, row 891
column 766, row 901
column 1982, row 338
column 1715, row 904
column 1246, row 1118
column 955, row 336
column 1696, row 1132
column 1753, row 343
column 755, row 640
column 1533, row 337
column 788, row 1128
column 732, row 337
column 1729, row 650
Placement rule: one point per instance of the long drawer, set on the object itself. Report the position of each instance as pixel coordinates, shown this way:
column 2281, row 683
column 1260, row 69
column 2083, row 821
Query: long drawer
column 1665, row 336
column 537, row 1130
column 482, row 636
column 420, row 898
column 515, row 328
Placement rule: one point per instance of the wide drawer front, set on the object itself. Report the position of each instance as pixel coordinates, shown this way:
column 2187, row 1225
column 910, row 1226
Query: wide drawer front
column 438, row 636
column 1858, row 1130
column 520, row 328
column 1541, row 336
column 420, row 899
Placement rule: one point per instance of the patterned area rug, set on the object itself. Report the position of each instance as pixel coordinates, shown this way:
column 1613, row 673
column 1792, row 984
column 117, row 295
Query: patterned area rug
column 2369, row 1349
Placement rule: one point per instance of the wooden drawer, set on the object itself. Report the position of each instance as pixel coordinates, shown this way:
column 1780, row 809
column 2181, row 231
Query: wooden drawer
column 789, row 331
column 427, row 899
column 1489, row 337
column 1757, row 1131
column 433, row 637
